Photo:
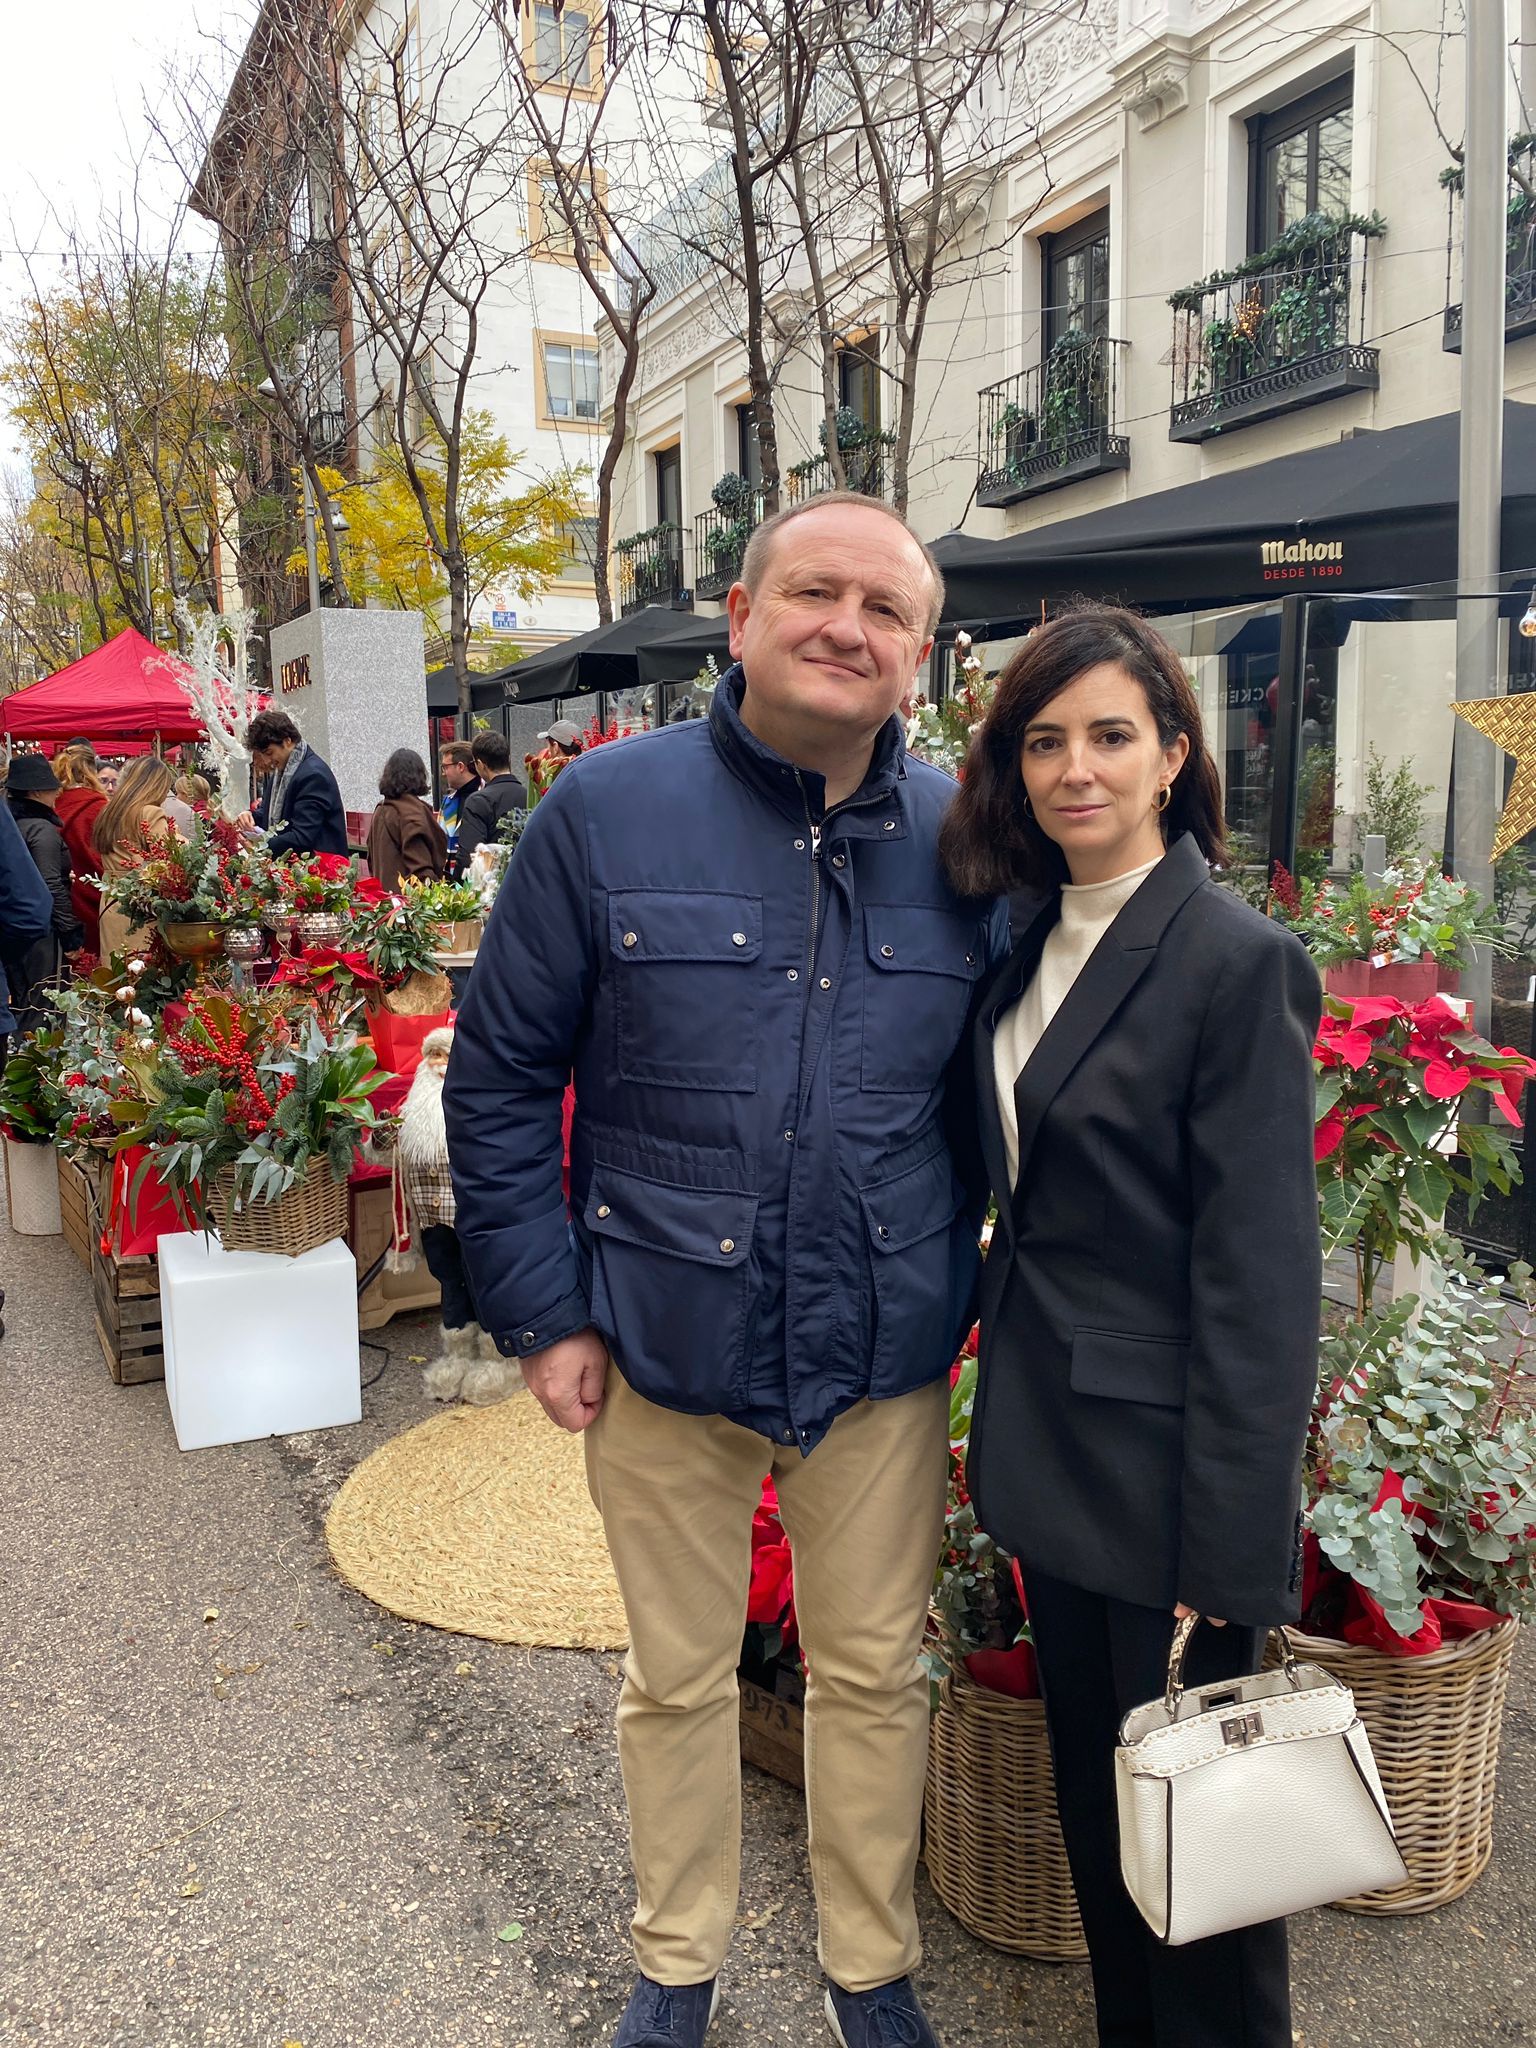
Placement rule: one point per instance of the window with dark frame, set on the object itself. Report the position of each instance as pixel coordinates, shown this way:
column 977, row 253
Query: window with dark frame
column 669, row 486
column 1075, row 262
column 1299, row 161
column 749, row 456
column 858, row 378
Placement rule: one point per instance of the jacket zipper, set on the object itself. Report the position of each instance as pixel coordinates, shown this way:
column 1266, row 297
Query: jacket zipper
column 815, row 831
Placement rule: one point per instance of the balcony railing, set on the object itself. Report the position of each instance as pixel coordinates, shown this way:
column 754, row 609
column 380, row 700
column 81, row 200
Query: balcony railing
column 865, row 468
column 650, row 568
column 719, row 542
column 1281, row 333
column 1519, row 250
column 1054, row 424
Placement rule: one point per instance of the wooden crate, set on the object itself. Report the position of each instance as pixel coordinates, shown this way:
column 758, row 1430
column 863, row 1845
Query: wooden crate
column 77, row 1178
column 127, row 1296
column 772, row 1734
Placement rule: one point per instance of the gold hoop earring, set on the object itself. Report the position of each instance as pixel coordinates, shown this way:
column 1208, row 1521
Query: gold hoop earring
column 1164, row 798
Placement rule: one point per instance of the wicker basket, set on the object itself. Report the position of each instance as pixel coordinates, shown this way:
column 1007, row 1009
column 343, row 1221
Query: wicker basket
column 1434, row 1728
column 992, row 1839
column 309, row 1215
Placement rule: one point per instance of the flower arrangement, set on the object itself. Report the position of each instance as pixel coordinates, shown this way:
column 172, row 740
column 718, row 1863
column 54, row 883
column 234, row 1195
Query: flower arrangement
column 1414, row 913
column 393, row 934
column 942, row 733
column 1421, row 1467
column 248, row 1087
column 443, row 902
column 1391, row 1145
column 978, row 1600
column 315, row 881
column 202, row 878
column 338, row 983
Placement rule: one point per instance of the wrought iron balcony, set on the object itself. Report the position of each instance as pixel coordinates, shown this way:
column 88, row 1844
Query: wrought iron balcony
column 719, row 542
column 1519, row 250
column 1278, row 335
column 1053, row 425
column 328, row 435
column 864, row 467
column 650, row 568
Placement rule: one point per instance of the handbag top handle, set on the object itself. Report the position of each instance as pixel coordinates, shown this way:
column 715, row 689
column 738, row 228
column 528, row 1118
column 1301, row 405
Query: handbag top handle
column 1184, row 1629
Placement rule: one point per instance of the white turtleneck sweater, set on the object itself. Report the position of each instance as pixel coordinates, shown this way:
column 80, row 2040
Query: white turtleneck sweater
column 1088, row 909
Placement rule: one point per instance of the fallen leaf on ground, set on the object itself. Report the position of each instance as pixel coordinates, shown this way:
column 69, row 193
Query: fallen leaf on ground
column 756, row 1920
column 513, row 1931
column 463, row 1670
column 210, row 1614
column 192, row 1890
column 385, row 1649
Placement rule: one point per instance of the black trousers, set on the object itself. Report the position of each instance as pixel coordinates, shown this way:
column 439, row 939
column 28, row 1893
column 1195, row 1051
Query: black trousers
column 445, row 1262
column 1098, row 1658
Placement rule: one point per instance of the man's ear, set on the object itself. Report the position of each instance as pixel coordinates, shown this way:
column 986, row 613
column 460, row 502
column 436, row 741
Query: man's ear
column 738, row 607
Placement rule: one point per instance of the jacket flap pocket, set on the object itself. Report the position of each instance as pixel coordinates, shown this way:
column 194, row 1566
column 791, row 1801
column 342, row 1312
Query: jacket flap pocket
column 915, row 938
column 705, row 1224
column 1121, row 1367
column 900, row 1212
column 684, row 924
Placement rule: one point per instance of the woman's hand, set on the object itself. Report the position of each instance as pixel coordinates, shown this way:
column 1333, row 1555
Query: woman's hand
column 1182, row 1613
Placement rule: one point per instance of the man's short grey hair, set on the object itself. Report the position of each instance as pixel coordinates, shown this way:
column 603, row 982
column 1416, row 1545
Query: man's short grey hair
column 754, row 561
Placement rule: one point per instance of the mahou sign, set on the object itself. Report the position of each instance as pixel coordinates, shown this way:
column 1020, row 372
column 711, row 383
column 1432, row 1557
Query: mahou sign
column 1290, row 561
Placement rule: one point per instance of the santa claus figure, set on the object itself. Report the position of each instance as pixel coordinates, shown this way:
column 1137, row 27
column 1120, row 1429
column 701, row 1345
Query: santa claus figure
column 470, row 1367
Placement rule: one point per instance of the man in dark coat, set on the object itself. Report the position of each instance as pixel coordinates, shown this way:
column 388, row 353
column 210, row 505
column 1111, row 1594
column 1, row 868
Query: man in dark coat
column 500, row 791
column 737, row 934
column 26, row 910
column 32, row 790
column 300, row 808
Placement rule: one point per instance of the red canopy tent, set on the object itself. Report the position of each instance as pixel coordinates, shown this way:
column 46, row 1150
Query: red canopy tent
column 124, row 693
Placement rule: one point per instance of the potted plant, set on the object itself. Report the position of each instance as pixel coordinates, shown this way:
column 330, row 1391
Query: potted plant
column 190, row 889
column 452, row 911
column 1392, row 1146
column 1420, row 1553
column 1407, row 935
column 29, row 1116
column 316, row 890
column 251, row 1115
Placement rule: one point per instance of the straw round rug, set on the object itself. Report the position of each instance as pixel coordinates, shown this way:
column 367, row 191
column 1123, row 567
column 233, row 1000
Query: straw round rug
column 479, row 1521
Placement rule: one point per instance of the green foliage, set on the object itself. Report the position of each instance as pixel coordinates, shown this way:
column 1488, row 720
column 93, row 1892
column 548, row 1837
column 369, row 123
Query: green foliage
column 1393, row 810
column 1418, row 1391
column 30, row 1104
column 1514, row 898
column 732, row 495
column 443, row 902
column 1415, row 912
column 1317, row 234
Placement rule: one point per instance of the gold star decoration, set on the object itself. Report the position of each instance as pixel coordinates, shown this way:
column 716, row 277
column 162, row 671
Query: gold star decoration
column 1510, row 722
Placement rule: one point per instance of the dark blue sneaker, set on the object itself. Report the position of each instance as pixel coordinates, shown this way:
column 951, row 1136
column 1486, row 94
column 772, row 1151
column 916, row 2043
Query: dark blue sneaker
column 668, row 2015
column 887, row 2017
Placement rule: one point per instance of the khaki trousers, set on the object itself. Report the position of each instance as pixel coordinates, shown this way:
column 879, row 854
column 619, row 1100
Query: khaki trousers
column 864, row 1514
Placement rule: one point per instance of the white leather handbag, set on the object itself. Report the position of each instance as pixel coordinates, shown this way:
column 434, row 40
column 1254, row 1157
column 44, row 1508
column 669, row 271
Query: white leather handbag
column 1249, row 1799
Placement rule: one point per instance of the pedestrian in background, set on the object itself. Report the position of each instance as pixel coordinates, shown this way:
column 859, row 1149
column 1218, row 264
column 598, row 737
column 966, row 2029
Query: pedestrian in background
column 82, row 799
column 405, row 841
column 32, row 790
column 300, row 807
column 134, row 822
column 26, row 916
column 456, row 773
column 1149, row 1308
column 500, row 792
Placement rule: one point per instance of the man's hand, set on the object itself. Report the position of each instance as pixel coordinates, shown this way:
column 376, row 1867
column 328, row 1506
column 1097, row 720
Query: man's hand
column 566, row 1379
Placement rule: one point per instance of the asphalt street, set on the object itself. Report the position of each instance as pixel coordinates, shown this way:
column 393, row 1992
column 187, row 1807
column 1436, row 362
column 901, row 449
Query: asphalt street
column 241, row 1805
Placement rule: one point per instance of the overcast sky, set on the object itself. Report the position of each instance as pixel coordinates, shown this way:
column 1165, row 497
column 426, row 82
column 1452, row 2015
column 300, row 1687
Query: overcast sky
column 73, row 122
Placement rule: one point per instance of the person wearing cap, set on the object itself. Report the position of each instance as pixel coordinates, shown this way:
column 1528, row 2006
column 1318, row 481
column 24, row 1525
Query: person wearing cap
column 562, row 746
column 500, row 791
column 32, row 791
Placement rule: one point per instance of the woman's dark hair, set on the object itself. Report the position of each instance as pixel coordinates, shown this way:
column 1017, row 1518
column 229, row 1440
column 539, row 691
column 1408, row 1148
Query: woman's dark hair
column 989, row 842
column 405, row 774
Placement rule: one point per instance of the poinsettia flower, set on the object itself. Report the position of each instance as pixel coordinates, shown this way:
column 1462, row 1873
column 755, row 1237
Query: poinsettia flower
column 1340, row 1044
column 1329, row 1134
column 1442, row 1080
column 370, row 890
column 330, row 867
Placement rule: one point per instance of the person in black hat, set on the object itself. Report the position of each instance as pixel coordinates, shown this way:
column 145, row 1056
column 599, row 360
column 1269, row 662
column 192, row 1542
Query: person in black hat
column 32, row 790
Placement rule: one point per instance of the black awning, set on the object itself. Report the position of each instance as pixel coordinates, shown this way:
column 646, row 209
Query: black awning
column 1376, row 512
column 606, row 658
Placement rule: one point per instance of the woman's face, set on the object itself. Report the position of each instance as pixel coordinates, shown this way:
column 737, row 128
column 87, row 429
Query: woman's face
column 108, row 779
column 1093, row 770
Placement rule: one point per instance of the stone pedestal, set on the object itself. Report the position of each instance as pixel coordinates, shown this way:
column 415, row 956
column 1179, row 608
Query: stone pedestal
column 354, row 683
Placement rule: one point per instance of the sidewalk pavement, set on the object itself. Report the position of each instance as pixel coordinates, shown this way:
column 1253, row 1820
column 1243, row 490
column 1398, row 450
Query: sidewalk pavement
column 240, row 1805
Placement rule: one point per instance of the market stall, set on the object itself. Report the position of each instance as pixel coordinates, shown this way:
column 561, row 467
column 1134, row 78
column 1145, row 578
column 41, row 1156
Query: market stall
column 124, row 696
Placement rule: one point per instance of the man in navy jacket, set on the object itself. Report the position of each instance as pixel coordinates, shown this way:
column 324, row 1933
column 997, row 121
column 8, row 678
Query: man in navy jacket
column 300, row 809
column 26, row 915
column 735, row 933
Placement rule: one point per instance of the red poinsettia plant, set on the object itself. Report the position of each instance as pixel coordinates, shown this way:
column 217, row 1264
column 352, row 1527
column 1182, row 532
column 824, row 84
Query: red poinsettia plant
column 210, row 874
column 316, row 881
column 340, row 983
column 1392, row 1144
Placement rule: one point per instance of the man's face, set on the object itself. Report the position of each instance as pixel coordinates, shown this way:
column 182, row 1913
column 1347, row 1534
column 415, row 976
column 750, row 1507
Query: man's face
column 453, row 774
column 838, row 626
column 269, row 759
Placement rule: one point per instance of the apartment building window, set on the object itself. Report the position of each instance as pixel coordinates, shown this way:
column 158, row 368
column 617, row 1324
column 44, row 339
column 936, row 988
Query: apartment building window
column 580, row 562
column 669, row 486
column 1300, row 159
column 551, row 229
column 560, row 47
column 568, row 388
column 749, row 456
column 1076, row 280
column 858, row 377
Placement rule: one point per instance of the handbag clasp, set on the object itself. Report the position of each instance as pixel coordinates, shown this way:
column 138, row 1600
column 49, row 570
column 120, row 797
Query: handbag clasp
column 1242, row 1729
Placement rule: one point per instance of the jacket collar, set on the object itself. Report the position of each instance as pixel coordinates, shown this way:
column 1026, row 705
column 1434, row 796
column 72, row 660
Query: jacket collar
column 800, row 792
column 1113, row 969
column 22, row 806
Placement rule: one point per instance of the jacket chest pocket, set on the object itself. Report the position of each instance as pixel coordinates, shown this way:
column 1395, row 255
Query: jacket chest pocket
column 684, row 991
column 922, row 966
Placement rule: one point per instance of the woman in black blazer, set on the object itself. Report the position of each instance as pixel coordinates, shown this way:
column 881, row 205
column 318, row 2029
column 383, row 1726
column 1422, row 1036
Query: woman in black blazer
column 1149, row 1320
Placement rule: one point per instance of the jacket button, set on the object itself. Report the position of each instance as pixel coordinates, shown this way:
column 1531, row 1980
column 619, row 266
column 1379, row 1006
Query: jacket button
column 631, row 938
column 604, row 1210
column 527, row 1340
column 727, row 1245
column 887, row 952
column 970, row 959
column 793, row 975
column 890, row 824
column 838, row 861
column 799, row 846
column 825, row 982
column 789, row 1137
column 881, row 1231
column 738, row 938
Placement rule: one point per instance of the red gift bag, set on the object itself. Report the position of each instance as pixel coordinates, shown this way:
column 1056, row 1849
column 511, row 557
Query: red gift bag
column 397, row 1040
column 135, row 1226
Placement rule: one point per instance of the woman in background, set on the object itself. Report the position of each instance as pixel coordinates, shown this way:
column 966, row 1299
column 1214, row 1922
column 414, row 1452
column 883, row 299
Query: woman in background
column 405, row 841
column 133, row 820
column 82, row 799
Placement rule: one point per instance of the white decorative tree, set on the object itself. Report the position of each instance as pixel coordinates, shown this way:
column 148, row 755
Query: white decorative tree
column 215, row 677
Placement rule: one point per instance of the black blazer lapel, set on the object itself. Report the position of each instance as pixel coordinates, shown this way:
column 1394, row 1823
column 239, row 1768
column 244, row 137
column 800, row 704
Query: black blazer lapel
column 1122, row 957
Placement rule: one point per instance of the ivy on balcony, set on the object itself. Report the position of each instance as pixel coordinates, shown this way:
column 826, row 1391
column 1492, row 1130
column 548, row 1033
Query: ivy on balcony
column 1519, row 244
